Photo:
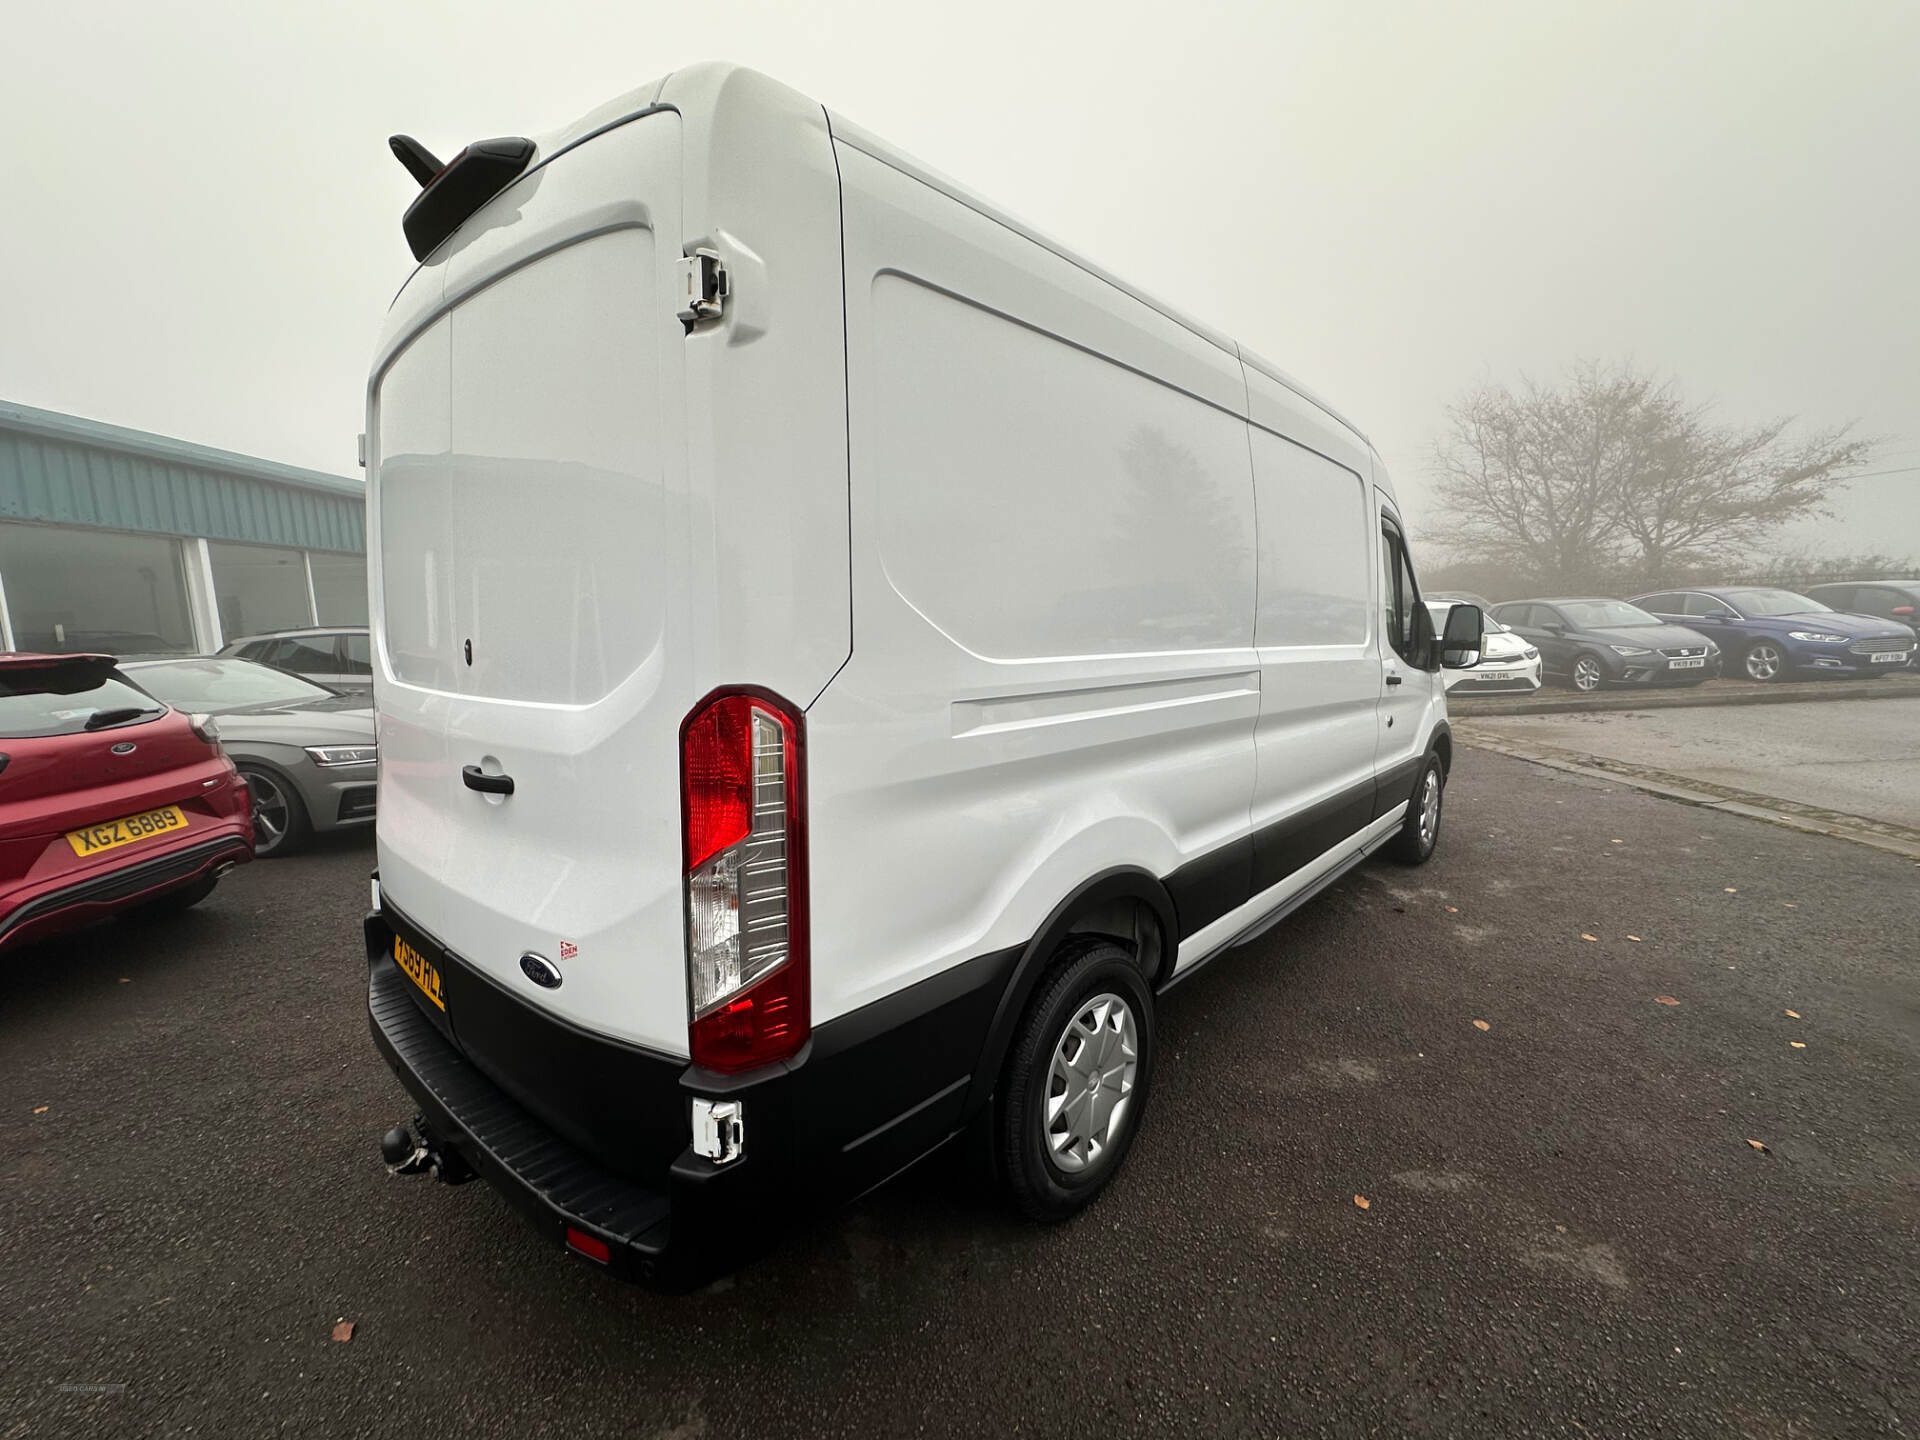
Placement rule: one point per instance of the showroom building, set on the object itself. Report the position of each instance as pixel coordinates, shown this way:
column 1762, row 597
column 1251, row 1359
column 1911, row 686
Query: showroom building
column 130, row 543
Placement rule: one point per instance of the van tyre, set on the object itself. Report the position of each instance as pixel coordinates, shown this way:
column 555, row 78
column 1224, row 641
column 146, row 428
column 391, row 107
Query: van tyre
column 280, row 824
column 1420, row 831
column 1076, row 1081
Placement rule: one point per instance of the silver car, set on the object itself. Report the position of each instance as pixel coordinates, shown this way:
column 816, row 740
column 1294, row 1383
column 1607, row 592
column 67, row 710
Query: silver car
column 338, row 656
column 307, row 751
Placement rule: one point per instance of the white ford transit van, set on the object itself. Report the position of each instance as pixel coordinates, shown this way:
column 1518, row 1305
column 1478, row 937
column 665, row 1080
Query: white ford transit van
column 839, row 656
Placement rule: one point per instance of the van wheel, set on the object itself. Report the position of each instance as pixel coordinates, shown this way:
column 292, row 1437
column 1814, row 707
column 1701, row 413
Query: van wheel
column 1076, row 1081
column 1420, row 831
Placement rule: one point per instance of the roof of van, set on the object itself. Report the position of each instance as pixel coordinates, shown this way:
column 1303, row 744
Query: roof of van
column 700, row 87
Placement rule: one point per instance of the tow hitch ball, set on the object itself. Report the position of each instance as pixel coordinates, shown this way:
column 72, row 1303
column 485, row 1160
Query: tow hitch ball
column 426, row 1156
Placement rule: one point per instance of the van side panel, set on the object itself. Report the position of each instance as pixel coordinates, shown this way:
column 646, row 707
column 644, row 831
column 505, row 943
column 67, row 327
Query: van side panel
column 1318, row 637
column 1053, row 570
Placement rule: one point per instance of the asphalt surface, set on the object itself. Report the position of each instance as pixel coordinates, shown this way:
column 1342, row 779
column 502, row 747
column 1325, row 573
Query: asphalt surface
column 1858, row 757
column 1568, row 1233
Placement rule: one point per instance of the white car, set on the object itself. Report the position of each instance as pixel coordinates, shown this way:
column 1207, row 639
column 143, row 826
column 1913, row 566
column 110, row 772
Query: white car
column 839, row 657
column 1508, row 665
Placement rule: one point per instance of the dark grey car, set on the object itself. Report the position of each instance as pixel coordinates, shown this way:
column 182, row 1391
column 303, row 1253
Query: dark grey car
column 1591, row 641
column 307, row 751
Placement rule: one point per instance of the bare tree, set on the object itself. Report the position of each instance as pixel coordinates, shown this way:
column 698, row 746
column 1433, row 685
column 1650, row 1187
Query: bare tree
column 1612, row 477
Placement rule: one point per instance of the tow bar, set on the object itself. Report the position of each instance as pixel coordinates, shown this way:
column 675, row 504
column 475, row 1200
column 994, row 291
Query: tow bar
column 426, row 1156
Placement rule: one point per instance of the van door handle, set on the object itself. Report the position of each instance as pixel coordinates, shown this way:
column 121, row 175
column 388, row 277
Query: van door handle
column 1391, row 680
column 477, row 779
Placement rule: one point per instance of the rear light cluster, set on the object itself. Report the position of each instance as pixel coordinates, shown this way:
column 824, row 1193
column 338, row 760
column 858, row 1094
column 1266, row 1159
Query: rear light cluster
column 743, row 818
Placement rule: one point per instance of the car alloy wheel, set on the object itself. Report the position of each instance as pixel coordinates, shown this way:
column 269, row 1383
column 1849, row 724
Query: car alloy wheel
column 1764, row 662
column 1587, row 674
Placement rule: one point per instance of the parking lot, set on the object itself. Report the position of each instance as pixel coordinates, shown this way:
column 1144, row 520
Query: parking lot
column 1569, row 1227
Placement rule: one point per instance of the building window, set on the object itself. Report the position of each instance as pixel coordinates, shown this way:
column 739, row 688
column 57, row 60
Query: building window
column 76, row 590
column 339, row 587
column 259, row 588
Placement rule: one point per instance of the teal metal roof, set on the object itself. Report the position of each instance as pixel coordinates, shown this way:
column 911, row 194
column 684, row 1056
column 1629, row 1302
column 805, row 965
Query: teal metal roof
column 64, row 470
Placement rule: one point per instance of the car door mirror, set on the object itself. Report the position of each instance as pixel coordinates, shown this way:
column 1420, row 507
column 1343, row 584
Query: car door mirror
column 1553, row 627
column 1464, row 638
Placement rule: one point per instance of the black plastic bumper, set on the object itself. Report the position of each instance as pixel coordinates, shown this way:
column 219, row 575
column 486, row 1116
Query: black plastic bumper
column 552, row 1183
column 580, row 1131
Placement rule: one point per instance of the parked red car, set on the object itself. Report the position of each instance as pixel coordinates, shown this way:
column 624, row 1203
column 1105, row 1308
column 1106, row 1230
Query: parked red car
column 109, row 801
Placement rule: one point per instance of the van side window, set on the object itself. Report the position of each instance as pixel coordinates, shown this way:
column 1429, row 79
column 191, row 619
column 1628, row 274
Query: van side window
column 1401, row 602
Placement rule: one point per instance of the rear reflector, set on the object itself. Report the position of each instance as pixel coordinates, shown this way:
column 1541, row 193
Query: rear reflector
column 468, row 181
column 590, row 1246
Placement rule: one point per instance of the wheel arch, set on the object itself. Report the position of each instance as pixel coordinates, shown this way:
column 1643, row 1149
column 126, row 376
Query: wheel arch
column 1127, row 905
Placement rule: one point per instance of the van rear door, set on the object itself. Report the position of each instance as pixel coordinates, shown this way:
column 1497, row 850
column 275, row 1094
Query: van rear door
column 528, row 519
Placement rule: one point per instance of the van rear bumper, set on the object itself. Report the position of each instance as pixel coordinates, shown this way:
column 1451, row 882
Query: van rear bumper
column 871, row 1092
column 555, row 1185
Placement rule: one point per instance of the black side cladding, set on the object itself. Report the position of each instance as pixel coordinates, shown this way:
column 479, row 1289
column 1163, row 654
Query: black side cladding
column 470, row 179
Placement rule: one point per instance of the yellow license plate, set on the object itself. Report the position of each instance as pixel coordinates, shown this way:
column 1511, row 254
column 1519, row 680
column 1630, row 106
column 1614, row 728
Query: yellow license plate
column 129, row 831
column 419, row 970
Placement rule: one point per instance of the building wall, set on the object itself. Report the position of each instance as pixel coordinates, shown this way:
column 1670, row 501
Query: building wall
column 116, row 540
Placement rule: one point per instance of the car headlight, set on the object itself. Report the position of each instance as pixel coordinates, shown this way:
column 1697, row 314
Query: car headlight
column 1817, row 637
column 343, row 754
column 1628, row 650
column 1529, row 653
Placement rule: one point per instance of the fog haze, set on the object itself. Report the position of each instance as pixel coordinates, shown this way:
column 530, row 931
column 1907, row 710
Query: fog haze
column 1391, row 202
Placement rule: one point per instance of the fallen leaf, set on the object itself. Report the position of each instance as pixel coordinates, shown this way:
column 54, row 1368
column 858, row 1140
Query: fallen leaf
column 1665, row 1000
column 343, row 1331
column 1732, row 891
column 1481, row 1025
column 1363, row 1202
column 1585, row 936
column 1634, row 938
column 125, row 981
column 1794, row 1014
column 39, row 1109
column 1798, row 1044
column 1791, row 905
column 1758, row 1145
column 1617, row 842
column 1453, row 909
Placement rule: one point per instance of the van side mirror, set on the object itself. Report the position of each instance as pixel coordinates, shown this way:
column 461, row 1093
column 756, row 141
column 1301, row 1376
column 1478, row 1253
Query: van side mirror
column 1464, row 639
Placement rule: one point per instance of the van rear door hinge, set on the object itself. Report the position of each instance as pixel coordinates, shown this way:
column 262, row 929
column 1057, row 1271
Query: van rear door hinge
column 703, row 287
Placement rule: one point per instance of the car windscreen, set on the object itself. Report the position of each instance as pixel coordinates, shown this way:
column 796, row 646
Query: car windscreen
column 67, row 699
column 1774, row 602
column 1438, row 609
column 1604, row 614
column 216, row 685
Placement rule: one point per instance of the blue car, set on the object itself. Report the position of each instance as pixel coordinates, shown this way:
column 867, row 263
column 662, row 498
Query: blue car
column 1776, row 635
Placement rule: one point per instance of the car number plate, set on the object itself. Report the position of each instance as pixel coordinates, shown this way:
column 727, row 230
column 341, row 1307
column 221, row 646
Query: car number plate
column 419, row 969
column 1699, row 664
column 130, row 830
column 1888, row 657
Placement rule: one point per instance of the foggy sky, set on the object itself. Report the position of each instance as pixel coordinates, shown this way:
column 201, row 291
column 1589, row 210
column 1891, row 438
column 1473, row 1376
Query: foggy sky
column 201, row 226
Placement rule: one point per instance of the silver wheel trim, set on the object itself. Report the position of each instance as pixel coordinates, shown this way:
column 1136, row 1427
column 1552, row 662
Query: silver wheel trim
column 1429, row 809
column 1763, row 662
column 1586, row 673
column 1090, row 1082
column 272, row 812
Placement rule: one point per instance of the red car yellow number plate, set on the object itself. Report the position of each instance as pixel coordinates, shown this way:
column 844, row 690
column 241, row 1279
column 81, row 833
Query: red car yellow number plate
column 130, row 830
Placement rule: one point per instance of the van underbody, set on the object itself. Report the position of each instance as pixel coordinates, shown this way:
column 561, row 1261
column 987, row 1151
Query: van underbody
column 819, row 624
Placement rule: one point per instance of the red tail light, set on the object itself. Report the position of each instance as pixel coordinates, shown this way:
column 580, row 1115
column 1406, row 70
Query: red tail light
column 744, row 837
